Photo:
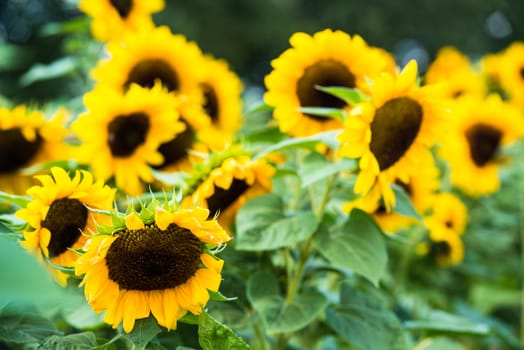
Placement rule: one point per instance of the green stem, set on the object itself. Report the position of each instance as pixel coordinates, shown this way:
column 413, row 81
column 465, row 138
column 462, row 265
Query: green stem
column 259, row 335
column 520, row 170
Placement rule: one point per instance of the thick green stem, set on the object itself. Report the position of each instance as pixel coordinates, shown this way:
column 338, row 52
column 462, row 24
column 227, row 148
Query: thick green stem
column 520, row 170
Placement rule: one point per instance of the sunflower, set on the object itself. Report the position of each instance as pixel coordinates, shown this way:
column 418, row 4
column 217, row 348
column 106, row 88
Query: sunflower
column 491, row 70
column 223, row 105
column 112, row 18
column 481, row 128
column 454, row 69
column 121, row 133
column 392, row 134
column 512, row 72
column 421, row 188
column 154, row 262
column 445, row 224
column 27, row 138
column 60, row 215
column 157, row 55
column 328, row 58
column 229, row 185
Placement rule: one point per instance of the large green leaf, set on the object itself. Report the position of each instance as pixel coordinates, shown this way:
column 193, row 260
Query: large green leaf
column 213, row 335
column 18, row 325
column 438, row 343
column 262, row 225
column 317, row 167
column 443, row 322
column 357, row 245
column 78, row 341
column 143, row 332
column 278, row 315
column 55, row 69
column 364, row 323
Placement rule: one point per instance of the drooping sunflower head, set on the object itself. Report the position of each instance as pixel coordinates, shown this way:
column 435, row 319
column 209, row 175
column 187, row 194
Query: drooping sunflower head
column 392, row 134
column 446, row 251
column 449, row 217
column 327, row 58
column 27, row 138
column 121, row 133
column 222, row 102
column 512, row 72
column 60, row 216
column 154, row 262
column 112, row 18
column 480, row 130
column 229, row 184
column 454, row 69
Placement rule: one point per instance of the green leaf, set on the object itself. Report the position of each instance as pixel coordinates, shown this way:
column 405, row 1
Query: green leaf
column 327, row 137
column 56, row 69
column 317, row 167
column 357, row 245
column 263, row 225
column 443, row 322
column 278, row 315
column 20, row 201
column 13, row 224
column 438, row 343
column 79, row 341
column 364, row 323
column 324, row 112
column 143, row 332
column 403, row 204
column 348, row 95
column 213, row 335
column 21, row 326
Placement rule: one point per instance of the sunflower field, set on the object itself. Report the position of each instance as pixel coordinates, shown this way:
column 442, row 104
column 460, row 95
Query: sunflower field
column 352, row 197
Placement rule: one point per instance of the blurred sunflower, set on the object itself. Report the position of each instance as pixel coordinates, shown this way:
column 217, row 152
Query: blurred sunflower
column 27, row 138
column 59, row 215
column 228, row 185
column 421, row 188
column 512, row 72
column 481, row 128
column 157, row 55
column 490, row 67
column 122, row 132
column 392, row 134
column 112, row 18
column 223, row 105
column 328, row 58
column 454, row 69
column 154, row 262
column 445, row 224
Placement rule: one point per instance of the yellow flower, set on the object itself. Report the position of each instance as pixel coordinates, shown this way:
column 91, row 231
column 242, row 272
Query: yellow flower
column 223, row 105
column 112, row 18
column 480, row 129
column 229, row 185
column 122, row 132
column 449, row 217
column 446, row 251
column 157, row 55
column 328, row 58
column 59, row 215
column 392, row 134
column 454, row 69
column 27, row 138
column 512, row 72
column 159, row 265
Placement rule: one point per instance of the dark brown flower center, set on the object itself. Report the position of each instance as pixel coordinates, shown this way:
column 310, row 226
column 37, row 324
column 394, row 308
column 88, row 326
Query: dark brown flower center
column 393, row 130
column 439, row 250
column 65, row 220
column 178, row 148
column 123, row 7
column 483, row 141
column 448, row 224
column 521, row 71
column 211, row 102
column 222, row 199
column 323, row 73
column 16, row 151
column 147, row 72
column 126, row 132
column 153, row 259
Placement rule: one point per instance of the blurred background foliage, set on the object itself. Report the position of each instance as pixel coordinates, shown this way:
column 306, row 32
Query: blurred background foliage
column 44, row 56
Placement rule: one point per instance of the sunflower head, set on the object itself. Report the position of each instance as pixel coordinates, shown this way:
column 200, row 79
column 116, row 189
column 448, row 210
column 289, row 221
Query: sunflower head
column 112, row 18
column 446, row 251
column 60, row 215
column 157, row 261
column 28, row 138
column 512, row 72
column 481, row 128
column 121, row 133
column 392, row 133
column 327, row 58
column 227, row 183
column 449, row 217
